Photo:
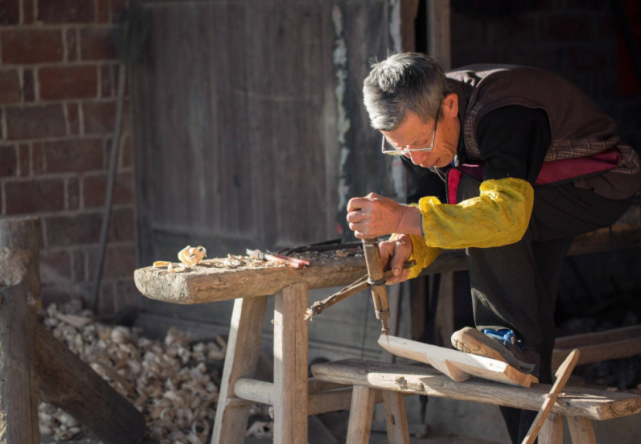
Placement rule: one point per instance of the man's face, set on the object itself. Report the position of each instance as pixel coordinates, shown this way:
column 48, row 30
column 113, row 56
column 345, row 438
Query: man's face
column 414, row 133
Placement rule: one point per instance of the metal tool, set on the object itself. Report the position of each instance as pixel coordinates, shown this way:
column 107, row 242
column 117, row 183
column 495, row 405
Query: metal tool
column 319, row 306
column 277, row 258
column 376, row 280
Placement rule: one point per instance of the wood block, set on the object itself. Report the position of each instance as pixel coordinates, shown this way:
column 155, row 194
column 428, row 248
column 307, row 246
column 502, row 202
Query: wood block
column 457, row 365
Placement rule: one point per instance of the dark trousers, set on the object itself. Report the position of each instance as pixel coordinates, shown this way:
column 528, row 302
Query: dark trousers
column 515, row 286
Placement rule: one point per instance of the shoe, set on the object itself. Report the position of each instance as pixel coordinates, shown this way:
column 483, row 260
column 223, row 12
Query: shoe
column 500, row 345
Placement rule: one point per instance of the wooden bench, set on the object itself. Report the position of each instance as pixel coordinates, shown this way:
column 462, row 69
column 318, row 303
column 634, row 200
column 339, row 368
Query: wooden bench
column 580, row 406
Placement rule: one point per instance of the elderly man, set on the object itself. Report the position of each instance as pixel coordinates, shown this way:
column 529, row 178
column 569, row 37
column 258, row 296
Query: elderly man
column 509, row 162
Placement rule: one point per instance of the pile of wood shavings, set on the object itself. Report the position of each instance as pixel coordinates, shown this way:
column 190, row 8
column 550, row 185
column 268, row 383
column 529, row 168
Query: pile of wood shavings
column 319, row 257
column 167, row 381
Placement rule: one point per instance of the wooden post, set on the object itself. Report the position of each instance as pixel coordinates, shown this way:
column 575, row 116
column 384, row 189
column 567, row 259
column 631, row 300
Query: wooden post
column 360, row 415
column 69, row 383
column 290, row 364
column 552, row 431
column 438, row 24
column 19, row 288
column 396, row 417
column 243, row 348
column 581, row 430
column 445, row 310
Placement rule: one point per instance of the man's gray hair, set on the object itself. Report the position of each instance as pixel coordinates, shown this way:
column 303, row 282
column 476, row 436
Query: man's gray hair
column 403, row 82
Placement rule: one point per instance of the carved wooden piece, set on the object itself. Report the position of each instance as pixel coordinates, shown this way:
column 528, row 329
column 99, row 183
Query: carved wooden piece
column 590, row 403
column 562, row 377
column 457, row 365
column 396, row 418
column 243, row 348
column 208, row 284
column 19, row 288
column 290, row 364
column 69, row 383
column 360, row 415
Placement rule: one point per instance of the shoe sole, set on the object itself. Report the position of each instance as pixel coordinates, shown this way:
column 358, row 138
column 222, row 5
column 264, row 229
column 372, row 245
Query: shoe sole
column 472, row 341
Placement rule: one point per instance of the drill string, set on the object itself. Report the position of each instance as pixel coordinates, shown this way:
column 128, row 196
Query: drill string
column 356, row 287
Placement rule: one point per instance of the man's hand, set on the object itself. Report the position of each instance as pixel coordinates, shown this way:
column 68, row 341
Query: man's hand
column 373, row 216
column 395, row 253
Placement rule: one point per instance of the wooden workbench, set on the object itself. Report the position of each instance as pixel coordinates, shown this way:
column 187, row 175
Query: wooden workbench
column 289, row 394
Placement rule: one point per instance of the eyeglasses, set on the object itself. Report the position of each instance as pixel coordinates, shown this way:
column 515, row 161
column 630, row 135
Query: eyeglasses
column 388, row 148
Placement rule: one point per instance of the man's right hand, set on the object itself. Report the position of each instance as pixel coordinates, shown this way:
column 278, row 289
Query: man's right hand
column 395, row 253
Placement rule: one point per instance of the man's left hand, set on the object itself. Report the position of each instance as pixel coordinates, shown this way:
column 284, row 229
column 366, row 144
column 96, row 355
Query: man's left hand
column 374, row 216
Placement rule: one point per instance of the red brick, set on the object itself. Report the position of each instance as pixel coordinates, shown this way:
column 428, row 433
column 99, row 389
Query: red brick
column 126, row 152
column 567, row 28
column 512, row 32
column 9, row 87
column 57, row 293
column 121, row 225
column 106, row 81
column 79, row 272
column 72, row 118
column 97, row 44
column 73, row 193
column 126, row 294
column 120, row 261
column 28, row 11
column 9, row 12
column 24, row 160
column 99, row 117
column 28, row 90
column 8, row 161
column 116, row 8
column 102, row 13
column 35, row 196
column 55, row 266
column 66, row 11
column 38, row 158
column 71, row 40
column 68, row 82
column 35, row 122
column 27, row 46
column 95, row 189
column 78, row 155
column 80, row 229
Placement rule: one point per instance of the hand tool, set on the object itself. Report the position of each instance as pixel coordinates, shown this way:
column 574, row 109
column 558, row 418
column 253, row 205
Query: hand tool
column 277, row 258
column 358, row 286
column 330, row 245
column 376, row 280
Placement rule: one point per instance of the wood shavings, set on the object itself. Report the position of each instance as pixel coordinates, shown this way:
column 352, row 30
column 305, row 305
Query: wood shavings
column 260, row 429
column 168, row 381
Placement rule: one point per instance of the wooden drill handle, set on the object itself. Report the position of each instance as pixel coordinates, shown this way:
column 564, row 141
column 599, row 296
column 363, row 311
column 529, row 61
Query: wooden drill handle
column 376, row 275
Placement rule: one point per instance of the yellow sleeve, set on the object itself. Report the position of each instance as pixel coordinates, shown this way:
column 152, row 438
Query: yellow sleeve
column 499, row 216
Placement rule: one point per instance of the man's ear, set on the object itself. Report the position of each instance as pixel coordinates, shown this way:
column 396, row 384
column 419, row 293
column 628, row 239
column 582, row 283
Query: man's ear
column 450, row 105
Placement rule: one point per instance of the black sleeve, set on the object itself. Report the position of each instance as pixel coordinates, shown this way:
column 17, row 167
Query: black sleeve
column 422, row 182
column 513, row 141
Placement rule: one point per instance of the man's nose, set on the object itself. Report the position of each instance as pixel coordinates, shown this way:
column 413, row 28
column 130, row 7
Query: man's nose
column 417, row 157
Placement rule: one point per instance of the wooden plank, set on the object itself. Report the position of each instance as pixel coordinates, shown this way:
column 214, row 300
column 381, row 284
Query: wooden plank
column 590, row 403
column 243, row 347
column 438, row 22
column 445, row 310
column 19, row 289
column 396, row 418
column 208, row 284
column 562, row 378
column 552, row 431
column 601, row 352
column 600, row 337
column 581, row 430
column 457, row 365
column 71, row 384
column 290, row 364
column 360, row 415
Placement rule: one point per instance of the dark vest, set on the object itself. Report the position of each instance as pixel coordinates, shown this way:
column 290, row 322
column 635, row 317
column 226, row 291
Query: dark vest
column 584, row 145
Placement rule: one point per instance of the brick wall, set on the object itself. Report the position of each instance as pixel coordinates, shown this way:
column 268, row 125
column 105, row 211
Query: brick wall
column 57, row 105
column 574, row 38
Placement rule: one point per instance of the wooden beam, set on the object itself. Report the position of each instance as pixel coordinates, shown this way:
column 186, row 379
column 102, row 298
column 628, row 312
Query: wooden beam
column 243, row 348
column 69, row 383
column 360, row 415
column 208, row 284
column 445, row 310
column 290, row 364
column 588, row 339
column 19, row 288
column 438, row 25
column 552, row 431
column 601, row 352
column 581, row 431
column 590, row 403
column 396, row 418
column 458, row 365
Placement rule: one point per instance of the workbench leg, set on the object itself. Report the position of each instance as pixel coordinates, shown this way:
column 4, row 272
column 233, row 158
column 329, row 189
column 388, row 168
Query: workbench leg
column 552, row 431
column 243, row 348
column 290, row 364
column 361, row 413
column 396, row 418
column 581, row 430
